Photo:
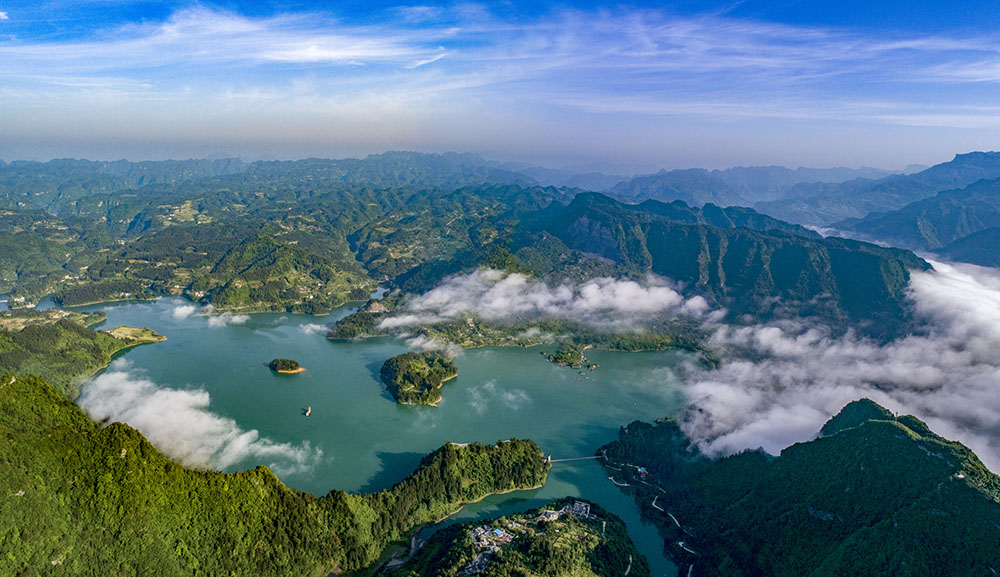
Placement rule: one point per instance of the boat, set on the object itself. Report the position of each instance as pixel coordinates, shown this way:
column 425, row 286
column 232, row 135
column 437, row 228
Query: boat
column 309, row 410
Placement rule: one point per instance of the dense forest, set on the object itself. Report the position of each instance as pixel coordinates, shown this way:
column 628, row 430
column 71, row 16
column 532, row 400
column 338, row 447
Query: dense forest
column 416, row 378
column 855, row 501
column 72, row 487
column 284, row 365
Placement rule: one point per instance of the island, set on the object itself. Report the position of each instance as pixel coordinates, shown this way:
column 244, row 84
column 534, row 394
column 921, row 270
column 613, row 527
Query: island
column 285, row 366
column 416, row 378
column 565, row 537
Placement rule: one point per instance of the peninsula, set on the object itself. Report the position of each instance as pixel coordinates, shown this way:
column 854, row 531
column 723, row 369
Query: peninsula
column 565, row 537
column 62, row 346
column 416, row 378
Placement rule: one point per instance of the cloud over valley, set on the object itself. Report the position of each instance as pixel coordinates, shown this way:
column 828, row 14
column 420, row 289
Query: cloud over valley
column 181, row 424
column 778, row 383
column 495, row 295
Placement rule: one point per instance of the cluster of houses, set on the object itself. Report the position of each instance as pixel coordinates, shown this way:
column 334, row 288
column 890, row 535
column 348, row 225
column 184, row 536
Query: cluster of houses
column 487, row 541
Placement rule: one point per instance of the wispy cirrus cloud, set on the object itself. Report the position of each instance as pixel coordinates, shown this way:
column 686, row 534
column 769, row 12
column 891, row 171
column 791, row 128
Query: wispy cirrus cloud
column 463, row 77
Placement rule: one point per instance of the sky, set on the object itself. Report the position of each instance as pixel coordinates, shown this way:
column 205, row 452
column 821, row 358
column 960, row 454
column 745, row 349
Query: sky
column 618, row 87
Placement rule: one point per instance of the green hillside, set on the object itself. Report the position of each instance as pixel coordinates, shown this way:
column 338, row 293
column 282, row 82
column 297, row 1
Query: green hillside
column 564, row 538
column 935, row 222
column 80, row 499
column 979, row 248
column 763, row 271
column 874, row 495
column 61, row 347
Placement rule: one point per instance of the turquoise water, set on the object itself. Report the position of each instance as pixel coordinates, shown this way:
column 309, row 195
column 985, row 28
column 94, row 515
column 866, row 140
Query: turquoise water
column 367, row 441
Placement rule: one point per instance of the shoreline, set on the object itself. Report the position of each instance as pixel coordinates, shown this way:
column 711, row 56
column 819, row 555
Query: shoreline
column 294, row 372
column 112, row 357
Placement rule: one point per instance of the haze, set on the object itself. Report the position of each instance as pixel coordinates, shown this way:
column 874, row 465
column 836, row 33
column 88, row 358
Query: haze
column 615, row 87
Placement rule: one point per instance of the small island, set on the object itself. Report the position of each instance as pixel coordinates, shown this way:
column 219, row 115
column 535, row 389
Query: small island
column 416, row 378
column 285, row 366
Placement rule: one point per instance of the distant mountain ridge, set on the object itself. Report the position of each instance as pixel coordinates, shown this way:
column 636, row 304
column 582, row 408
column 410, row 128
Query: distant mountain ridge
column 932, row 223
column 739, row 185
column 824, row 204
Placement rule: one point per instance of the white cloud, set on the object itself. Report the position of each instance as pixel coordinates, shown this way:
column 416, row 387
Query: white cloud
column 312, row 328
column 498, row 296
column 779, row 383
column 4, row 16
column 424, row 343
column 180, row 423
column 183, row 311
column 482, row 397
column 224, row 319
column 615, row 76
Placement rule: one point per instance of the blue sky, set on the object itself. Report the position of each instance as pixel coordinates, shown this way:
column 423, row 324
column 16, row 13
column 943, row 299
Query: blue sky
column 587, row 85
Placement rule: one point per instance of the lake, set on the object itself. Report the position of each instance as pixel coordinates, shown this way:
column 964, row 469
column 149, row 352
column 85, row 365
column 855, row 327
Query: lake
column 362, row 441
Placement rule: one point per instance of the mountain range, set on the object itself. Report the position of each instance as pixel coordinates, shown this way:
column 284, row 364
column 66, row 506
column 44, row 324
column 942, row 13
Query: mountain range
column 875, row 494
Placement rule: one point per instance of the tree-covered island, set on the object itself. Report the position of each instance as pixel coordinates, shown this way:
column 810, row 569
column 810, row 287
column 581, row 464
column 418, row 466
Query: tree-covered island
column 285, row 366
column 416, row 378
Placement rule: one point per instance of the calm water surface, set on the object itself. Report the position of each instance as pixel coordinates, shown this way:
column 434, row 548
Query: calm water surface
column 368, row 442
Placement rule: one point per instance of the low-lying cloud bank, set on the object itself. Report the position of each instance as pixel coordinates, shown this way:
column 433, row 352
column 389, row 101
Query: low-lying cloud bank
column 499, row 296
column 800, row 375
column 179, row 423
column 182, row 312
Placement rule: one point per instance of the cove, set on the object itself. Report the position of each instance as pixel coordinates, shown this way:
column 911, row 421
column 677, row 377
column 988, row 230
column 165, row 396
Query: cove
column 368, row 442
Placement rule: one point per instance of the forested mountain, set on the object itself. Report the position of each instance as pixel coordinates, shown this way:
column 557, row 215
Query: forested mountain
column 982, row 248
column 875, row 495
column 934, row 222
column 742, row 261
column 71, row 487
column 823, row 204
column 740, row 185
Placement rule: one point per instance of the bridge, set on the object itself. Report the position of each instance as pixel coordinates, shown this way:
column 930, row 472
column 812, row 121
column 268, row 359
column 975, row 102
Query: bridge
column 549, row 459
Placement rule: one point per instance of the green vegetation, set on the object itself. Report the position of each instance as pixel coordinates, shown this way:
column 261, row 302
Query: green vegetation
column 285, row 366
column 551, row 540
column 71, row 487
column 416, row 378
column 568, row 356
column 762, row 273
column 874, row 495
column 60, row 347
column 309, row 235
column 103, row 291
